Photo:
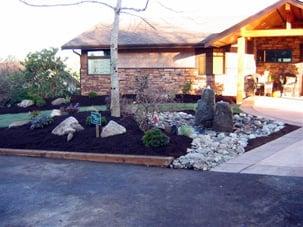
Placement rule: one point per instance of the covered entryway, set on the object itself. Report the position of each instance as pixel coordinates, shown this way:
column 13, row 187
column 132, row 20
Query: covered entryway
column 275, row 38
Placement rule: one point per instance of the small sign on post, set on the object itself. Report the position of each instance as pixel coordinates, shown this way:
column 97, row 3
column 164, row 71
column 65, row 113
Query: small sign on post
column 95, row 119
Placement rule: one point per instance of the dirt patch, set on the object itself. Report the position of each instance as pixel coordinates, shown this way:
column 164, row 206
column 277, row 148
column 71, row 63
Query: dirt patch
column 254, row 143
column 85, row 141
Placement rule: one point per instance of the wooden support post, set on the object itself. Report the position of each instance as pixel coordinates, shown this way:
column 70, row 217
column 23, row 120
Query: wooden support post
column 97, row 131
column 241, row 69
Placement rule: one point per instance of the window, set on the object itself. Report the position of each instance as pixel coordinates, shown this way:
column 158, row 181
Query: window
column 201, row 59
column 98, row 62
column 274, row 56
column 218, row 63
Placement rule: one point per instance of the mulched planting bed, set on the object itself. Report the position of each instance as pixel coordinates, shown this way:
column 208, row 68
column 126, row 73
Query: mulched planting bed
column 254, row 143
column 85, row 141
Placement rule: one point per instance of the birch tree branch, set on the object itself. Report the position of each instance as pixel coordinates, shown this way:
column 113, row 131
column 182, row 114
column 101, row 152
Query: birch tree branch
column 67, row 4
column 142, row 18
column 136, row 9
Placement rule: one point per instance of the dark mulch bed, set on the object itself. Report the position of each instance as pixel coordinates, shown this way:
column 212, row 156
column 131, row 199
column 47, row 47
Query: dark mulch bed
column 254, row 143
column 85, row 141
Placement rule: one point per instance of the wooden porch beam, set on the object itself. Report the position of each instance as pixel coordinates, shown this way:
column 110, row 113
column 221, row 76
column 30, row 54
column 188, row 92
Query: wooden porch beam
column 272, row 33
column 241, row 69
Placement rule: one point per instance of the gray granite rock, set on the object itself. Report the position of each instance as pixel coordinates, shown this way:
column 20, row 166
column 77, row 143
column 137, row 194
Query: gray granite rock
column 58, row 101
column 223, row 117
column 205, row 108
column 112, row 129
column 69, row 125
column 25, row 103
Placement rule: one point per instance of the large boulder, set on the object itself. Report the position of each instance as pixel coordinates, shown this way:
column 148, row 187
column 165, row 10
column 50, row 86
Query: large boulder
column 205, row 108
column 58, row 101
column 69, row 125
column 25, row 103
column 223, row 117
column 112, row 129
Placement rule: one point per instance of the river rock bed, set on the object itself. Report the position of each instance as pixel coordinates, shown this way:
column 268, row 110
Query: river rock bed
column 210, row 148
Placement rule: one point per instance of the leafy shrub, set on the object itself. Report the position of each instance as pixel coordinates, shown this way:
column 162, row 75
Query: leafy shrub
column 187, row 87
column 46, row 73
column 155, row 138
column 68, row 99
column 38, row 100
column 88, row 121
column 18, row 88
column 41, row 121
column 92, row 94
column 185, row 130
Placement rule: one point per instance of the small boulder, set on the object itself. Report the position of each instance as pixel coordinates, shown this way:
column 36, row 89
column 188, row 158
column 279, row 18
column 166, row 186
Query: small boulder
column 69, row 125
column 112, row 129
column 25, row 103
column 205, row 109
column 58, row 101
column 56, row 113
column 223, row 117
column 18, row 124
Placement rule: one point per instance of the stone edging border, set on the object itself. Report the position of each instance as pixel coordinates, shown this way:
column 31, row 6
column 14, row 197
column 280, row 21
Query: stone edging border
column 93, row 157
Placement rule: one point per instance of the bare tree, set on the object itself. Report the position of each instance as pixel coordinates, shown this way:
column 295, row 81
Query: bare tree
column 118, row 9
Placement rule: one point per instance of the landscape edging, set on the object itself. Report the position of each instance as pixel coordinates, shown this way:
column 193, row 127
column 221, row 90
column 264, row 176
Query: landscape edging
column 94, row 157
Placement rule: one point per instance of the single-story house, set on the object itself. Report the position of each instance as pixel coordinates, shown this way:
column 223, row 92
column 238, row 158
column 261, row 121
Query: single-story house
column 268, row 43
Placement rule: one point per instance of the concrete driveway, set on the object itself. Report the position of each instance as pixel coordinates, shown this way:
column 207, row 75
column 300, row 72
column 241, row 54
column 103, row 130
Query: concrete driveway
column 44, row 192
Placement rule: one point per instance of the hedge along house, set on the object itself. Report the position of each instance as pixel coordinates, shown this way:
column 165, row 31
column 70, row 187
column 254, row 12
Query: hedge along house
column 269, row 41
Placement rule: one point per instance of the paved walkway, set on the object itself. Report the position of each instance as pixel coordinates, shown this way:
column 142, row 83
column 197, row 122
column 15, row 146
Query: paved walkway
column 281, row 157
column 46, row 192
column 288, row 110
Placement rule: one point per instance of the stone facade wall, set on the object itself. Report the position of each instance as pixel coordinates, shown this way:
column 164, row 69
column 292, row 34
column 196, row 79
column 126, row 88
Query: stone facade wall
column 168, row 78
column 276, row 69
column 292, row 43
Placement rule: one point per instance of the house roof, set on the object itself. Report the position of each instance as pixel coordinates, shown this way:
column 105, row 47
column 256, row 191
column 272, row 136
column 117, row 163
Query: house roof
column 143, row 36
column 139, row 35
column 231, row 33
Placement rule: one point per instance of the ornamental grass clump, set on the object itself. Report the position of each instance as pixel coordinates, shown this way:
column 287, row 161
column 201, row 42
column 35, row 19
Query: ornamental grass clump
column 155, row 138
column 185, row 130
column 41, row 121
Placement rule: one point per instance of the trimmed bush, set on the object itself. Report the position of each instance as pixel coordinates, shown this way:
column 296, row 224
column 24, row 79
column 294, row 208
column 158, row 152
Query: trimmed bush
column 41, row 121
column 92, row 94
column 155, row 138
column 185, row 130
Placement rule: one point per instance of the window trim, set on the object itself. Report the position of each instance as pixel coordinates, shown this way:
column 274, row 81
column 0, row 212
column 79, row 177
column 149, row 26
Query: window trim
column 264, row 60
column 96, row 58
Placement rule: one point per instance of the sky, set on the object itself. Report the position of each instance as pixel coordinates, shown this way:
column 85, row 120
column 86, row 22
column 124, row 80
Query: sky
column 26, row 29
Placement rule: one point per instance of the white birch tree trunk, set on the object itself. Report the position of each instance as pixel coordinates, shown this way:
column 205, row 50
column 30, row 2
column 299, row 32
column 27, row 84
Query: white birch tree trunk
column 115, row 91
